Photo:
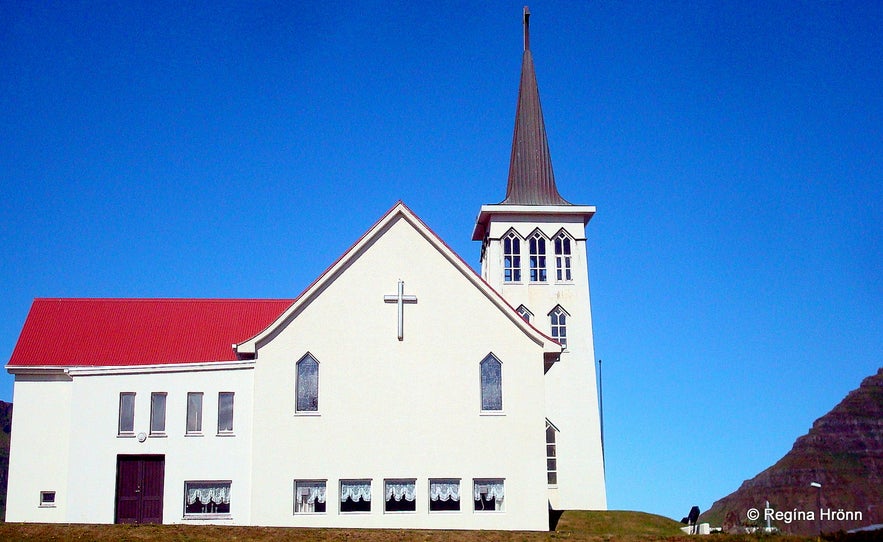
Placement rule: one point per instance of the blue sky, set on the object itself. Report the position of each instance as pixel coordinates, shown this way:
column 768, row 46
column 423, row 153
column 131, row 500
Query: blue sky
column 734, row 151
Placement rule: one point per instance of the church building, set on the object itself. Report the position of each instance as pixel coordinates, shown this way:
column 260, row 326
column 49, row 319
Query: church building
column 401, row 389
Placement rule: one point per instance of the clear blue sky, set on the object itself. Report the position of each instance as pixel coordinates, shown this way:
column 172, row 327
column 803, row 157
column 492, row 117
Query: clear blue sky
column 734, row 151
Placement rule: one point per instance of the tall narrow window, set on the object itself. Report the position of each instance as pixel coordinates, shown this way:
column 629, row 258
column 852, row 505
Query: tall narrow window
column 491, row 384
column 157, row 413
column 537, row 246
column 225, row 412
column 355, row 495
column 194, row 413
column 562, row 257
column 309, row 496
column 401, row 495
column 511, row 258
column 558, row 319
column 489, row 495
column 127, row 413
column 444, row 495
column 307, row 384
column 551, row 455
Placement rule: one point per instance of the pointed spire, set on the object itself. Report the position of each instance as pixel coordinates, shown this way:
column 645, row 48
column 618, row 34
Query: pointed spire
column 531, row 181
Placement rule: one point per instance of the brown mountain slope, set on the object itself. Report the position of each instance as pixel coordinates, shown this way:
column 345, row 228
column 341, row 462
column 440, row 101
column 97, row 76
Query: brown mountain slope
column 843, row 451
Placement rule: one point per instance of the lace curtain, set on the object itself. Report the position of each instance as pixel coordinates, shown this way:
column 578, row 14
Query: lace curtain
column 444, row 491
column 492, row 488
column 208, row 493
column 401, row 490
column 355, row 491
column 309, row 493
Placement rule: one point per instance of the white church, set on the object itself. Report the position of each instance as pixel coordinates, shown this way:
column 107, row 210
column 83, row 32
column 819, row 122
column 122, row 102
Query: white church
column 401, row 389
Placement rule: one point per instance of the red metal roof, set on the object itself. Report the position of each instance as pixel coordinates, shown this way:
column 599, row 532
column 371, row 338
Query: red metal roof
column 107, row 332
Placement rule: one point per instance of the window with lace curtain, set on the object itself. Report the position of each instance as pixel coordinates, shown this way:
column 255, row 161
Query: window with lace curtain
column 207, row 499
column 488, row 495
column 309, row 496
column 444, row 495
column 355, row 495
column 401, row 495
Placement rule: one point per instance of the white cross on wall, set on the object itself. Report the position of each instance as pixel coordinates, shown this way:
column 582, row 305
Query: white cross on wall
column 400, row 299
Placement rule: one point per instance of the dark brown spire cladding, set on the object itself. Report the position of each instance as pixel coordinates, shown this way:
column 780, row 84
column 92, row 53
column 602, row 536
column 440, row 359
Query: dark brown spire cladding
column 531, row 180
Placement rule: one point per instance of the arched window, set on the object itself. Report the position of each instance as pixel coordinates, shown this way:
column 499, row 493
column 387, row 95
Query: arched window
column 562, row 257
column 491, row 384
column 307, row 384
column 537, row 246
column 558, row 321
column 512, row 258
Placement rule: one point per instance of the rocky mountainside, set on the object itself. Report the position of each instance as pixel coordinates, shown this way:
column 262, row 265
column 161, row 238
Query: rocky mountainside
column 843, row 452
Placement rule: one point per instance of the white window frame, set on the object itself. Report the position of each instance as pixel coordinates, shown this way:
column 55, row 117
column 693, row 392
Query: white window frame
column 209, row 515
column 558, row 330
column 48, row 499
column 563, row 247
column 386, row 497
column 361, row 481
column 299, row 487
column 458, row 500
column 511, row 257
column 490, row 358
column 551, row 454
column 194, row 413
column 224, row 431
column 158, row 404
column 298, row 383
column 127, row 432
column 477, row 484
column 524, row 313
column 537, row 248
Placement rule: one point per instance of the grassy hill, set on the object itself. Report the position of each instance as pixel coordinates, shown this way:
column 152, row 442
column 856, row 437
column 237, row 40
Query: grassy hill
column 573, row 526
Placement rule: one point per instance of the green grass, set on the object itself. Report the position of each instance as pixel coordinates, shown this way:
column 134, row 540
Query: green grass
column 573, row 526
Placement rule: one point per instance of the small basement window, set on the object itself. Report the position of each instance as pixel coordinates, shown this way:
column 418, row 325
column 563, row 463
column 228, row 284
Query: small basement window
column 47, row 499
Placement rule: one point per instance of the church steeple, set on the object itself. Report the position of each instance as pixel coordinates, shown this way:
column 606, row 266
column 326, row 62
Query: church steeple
column 531, row 180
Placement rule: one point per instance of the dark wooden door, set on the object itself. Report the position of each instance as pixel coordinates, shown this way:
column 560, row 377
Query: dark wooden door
column 139, row 488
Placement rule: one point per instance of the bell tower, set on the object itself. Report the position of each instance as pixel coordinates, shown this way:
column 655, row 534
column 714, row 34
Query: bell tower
column 533, row 253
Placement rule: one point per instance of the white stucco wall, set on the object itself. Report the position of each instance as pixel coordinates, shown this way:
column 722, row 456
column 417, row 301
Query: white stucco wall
column 392, row 409
column 38, row 456
column 80, row 418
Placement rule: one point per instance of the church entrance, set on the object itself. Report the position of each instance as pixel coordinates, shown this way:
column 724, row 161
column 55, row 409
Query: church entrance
column 139, row 490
